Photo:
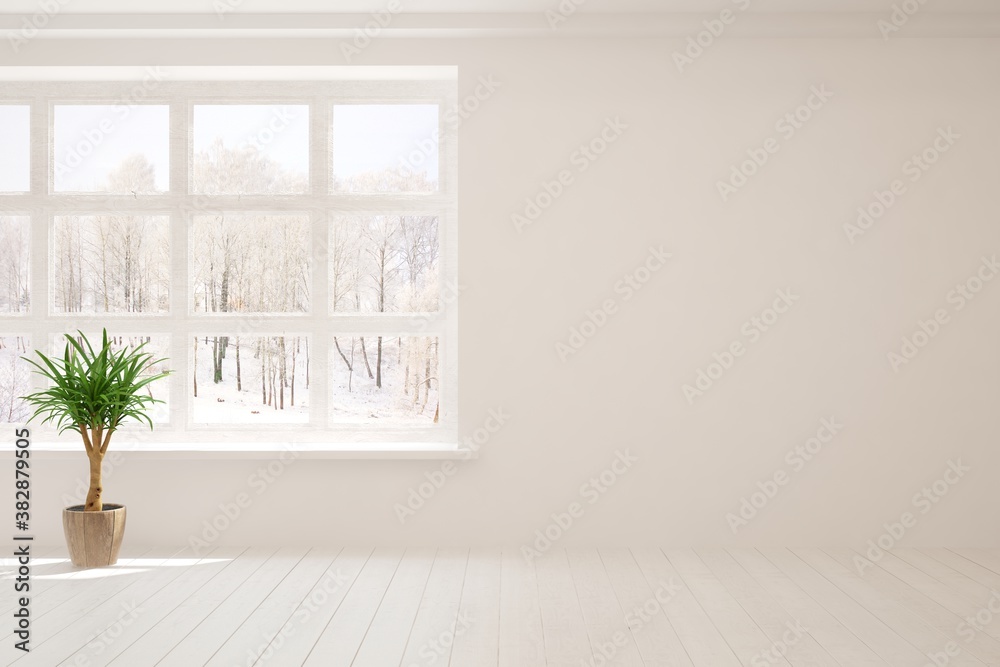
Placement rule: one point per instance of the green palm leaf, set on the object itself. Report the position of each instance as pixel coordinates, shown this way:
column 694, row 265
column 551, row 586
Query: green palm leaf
column 94, row 389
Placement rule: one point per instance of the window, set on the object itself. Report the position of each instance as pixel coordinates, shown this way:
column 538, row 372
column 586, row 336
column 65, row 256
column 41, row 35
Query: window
column 284, row 243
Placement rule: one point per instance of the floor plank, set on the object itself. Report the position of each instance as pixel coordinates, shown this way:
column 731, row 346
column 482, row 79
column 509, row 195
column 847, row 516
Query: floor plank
column 204, row 640
column 117, row 637
column 989, row 559
column 769, row 615
column 57, row 634
column 385, row 641
column 490, row 607
column 520, row 632
column 437, row 617
column 299, row 634
column 953, row 600
column 902, row 620
column 71, row 590
column 701, row 639
column 881, row 638
column 744, row 636
column 824, row 627
column 969, row 568
column 953, row 579
column 342, row 637
column 60, row 580
column 563, row 629
column 942, row 619
column 643, row 604
column 160, row 640
column 603, row 615
column 477, row 638
column 255, row 634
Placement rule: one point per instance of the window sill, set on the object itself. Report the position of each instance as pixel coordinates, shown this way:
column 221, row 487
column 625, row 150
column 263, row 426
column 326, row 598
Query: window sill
column 249, row 450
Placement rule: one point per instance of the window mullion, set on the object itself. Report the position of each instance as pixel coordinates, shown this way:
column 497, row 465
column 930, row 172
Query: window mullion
column 319, row 175
column 180, row 156
column 41, row 221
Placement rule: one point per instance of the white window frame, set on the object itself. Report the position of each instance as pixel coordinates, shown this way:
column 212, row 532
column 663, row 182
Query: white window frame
column 185, row 87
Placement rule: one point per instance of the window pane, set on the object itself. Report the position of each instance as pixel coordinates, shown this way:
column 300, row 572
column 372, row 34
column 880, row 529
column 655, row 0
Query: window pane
column 250, row 263
column 384, row 264
column 385, row 147
column 384, row 380
column 251, row 149
column 250, row 380
column 15, row 137
column 15, row 253
column 118, row 149
column 158, row 346
column 111, row 264
column 15, row 378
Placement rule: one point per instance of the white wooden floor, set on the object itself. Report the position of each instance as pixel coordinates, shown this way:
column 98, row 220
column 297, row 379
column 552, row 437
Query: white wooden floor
column 490, row 607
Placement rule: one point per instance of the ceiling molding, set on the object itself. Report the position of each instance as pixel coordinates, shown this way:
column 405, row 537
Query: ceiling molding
column 829, row 25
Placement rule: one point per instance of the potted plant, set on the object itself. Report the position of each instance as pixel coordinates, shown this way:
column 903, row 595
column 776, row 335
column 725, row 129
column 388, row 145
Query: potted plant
column 93, row 393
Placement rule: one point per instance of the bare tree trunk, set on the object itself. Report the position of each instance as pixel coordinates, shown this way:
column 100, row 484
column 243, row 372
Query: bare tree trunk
column 427, row 378
column 307, row 363
column 224, row 296
column 350, row 373
column 364, row 355
column 271, row 399
column 216, row 360
column 104, row 271
column 336, row 344
column 239, row 377
column 263, row 373
column 194, row 372
column 295, row 349
column 281, row 378
column 416, row 386
column 378, row 365
column 128, row 275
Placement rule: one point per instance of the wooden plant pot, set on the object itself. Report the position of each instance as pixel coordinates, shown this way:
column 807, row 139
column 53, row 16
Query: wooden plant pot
column 94, row 538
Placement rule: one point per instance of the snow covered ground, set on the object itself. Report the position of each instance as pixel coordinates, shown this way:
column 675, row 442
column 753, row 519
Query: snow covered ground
column 354, row 396
column 356, row 399
column 14, row 379
column 224, row 403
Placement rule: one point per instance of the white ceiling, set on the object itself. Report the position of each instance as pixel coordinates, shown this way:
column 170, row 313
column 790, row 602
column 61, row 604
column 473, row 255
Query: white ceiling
column 487, row 6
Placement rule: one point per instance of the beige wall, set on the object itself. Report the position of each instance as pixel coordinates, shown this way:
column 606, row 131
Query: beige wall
column 656, row 185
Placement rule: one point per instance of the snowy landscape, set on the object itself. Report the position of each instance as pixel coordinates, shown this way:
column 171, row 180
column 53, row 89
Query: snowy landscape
column 245, row 380
column 111, row 264
column 249, row 262
column 15, row 253
column 401, row 390
column 14, row 378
